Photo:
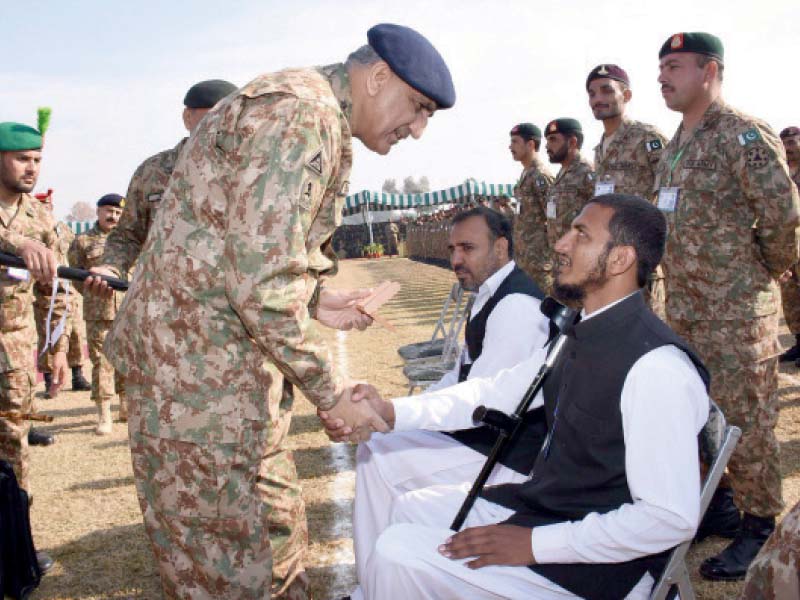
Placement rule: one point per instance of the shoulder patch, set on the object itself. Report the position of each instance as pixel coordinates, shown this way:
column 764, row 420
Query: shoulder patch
column 749, row 136
column 314, row 164
column 758, row 157
column 652, row 145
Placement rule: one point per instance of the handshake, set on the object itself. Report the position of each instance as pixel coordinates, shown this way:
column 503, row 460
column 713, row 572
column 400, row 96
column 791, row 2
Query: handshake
column 359, row 412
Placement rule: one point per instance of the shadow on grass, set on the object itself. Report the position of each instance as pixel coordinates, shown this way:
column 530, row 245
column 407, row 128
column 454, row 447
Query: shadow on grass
column 103, row 484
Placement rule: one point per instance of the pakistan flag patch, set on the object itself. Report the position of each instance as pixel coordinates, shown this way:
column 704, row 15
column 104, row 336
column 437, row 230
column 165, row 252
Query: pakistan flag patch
column 749, row 136
column 653, row 145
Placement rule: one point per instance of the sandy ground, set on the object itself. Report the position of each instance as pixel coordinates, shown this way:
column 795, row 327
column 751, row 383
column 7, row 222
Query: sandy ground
column 85, row 511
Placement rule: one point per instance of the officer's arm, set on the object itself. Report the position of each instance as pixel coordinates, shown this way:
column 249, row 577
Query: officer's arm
column 124, row 243
column 764, row 177
column 278, row 184
column 44, row 291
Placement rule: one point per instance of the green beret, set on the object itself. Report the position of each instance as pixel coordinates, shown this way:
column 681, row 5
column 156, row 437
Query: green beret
column 207, row 93
column 563, row 126
column 527, row 131
column 15, row 137
column 697, row 42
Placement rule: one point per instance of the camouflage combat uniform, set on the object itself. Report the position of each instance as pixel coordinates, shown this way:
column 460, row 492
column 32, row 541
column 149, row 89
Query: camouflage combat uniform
column 85, row 252
column 775, row 572
column 217, row 314
column 75, row 327
column 790, row 289
column 628, row 166
column 531, row 248
column 731, row 232
column 17, row 332
column 145, row 192
column 571, row 190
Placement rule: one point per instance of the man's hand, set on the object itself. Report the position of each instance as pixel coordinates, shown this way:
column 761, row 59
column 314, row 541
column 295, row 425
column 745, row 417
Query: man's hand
column 339, row 431
column 787, row 275
column 493, row 545
column 97, row 286
column 60, row 372
column 359, row 419
column 337, row 309
column 40, row 261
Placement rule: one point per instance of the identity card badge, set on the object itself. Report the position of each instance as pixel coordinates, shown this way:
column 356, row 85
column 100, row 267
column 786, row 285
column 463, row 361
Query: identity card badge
column 550, row 209
column 668, row 199
column 603, row 187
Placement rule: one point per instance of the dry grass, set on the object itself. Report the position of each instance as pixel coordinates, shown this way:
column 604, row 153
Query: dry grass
column 85, row 511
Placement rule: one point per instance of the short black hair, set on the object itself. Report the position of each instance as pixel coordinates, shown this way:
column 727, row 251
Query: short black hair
column 499, row 225
column 637, row 223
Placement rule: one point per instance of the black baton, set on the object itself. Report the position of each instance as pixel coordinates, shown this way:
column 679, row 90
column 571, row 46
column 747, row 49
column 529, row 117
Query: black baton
column 10, row 260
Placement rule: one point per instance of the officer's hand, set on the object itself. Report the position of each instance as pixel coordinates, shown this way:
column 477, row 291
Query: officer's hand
column 492, row 545
column 786, row 276
column 96, row 286
column 60, row 372
column 359, row 418
column 39, row 260
column 337, row 309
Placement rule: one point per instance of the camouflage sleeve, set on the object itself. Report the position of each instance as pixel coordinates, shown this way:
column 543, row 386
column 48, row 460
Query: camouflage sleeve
column 43, row 293
column 587, row 185
column 124, row 243
column 11, row 241
column 653, row 147
column 764, row 177
column 75, row 259
column 282, row 169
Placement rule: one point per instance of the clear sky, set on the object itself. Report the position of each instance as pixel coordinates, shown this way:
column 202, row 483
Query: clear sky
column 115, row 72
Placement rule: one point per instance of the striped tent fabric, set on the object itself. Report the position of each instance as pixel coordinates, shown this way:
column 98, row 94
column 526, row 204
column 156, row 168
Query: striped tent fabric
column 80, row 226
column 385, row 201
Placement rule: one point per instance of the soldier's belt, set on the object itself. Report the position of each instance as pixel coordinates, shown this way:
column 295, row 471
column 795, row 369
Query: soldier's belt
column 10, row 260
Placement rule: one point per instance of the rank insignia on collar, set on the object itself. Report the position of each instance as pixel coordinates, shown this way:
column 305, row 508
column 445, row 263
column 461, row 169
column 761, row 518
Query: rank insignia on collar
column 653, row 145
column 315, row 163
column 749, row 136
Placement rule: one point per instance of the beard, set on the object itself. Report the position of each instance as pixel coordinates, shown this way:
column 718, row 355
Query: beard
column 16, row 186
column 560, row 156
column 573, row 294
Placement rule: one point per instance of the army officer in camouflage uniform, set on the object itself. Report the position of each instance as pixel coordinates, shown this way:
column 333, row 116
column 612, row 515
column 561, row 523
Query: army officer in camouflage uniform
column 732, row 214
column 224, row 282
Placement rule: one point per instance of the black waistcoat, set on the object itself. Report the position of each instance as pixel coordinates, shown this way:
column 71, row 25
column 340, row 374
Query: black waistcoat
column 581, row 469
column 520, row 454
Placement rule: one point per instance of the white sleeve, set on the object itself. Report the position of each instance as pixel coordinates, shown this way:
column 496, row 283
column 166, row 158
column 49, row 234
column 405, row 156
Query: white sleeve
column 514, row 330
column 664, row 405
column 451, row 408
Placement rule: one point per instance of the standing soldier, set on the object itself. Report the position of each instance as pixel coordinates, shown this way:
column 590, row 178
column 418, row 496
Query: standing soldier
column 150, row 180
column 226, row 285
column 27, row 230
column 625, row 159
column 86, row 251
column 574, row 185
column 392, row 238
column 532, row 250
column 732, row 213
column 74, row 330
column 790, row 286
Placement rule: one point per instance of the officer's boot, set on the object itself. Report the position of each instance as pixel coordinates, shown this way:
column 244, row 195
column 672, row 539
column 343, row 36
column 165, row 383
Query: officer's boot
column 731, row 564
column 48, row 384
column 103, row 418
column 793, row 353
column 79, row 383
column 722, row 517
column 123, row 408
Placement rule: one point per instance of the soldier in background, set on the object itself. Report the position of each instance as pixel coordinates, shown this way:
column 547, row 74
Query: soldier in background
column 27, row 230
column 790, row 285
column 732, row 215
column 573, row 187
column 625, row 159
column 150, row 180
column 86, row 251
column 220, row 306
column 532, row 252
column 392, row 238
column 74, row 331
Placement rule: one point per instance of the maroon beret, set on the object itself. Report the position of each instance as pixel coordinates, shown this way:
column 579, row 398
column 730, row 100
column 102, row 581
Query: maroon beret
column 790, row 131
column 607, row 72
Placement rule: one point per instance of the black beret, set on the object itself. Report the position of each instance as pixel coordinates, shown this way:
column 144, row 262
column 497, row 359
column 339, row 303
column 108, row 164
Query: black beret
column 414, row 60
column 527, row 131
column 609, row 72
column 697, row 42
column 111, row 200
column 563, row 126
column 207, row 93
column 790, row 131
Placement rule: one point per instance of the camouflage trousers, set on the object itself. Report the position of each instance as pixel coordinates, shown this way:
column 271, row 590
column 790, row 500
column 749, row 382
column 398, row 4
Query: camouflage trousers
column 790, row 298
column 226, row 521
column 775, row 572
column 742, row 358
column 74, row 330
column 16, row 394
column 105, row 380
